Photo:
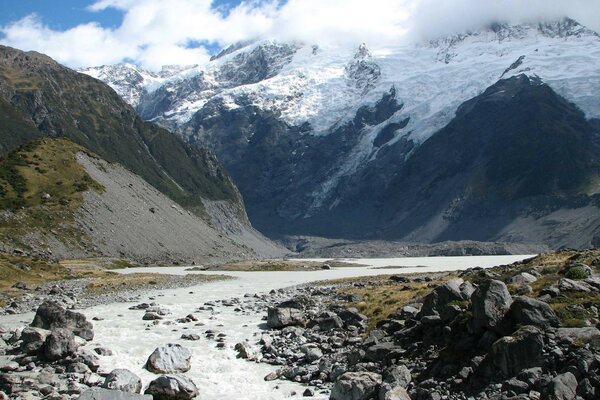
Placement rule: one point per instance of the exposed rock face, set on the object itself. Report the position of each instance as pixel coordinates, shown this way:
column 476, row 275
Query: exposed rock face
column 123, row 380
column 491, row 301
column 172, row 387
column 279, row 317
column 356, row 386
column 171, row 358
column 52, row 316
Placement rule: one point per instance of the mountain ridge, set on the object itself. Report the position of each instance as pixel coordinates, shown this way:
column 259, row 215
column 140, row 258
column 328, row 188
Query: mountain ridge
column 41, row 99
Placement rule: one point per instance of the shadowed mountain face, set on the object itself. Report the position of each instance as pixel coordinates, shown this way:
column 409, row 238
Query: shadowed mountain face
column 39, row 97
column 518, row 150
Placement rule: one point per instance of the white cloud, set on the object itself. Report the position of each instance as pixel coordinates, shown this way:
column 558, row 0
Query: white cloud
column 157, row 32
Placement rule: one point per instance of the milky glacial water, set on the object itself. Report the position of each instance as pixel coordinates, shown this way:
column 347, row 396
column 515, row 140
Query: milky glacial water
column 217, row 372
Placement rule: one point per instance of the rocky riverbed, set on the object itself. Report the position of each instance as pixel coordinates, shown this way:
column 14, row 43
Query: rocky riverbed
column 524, row 331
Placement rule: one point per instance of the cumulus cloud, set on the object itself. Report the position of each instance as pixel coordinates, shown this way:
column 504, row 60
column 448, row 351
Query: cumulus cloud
column 158, row 32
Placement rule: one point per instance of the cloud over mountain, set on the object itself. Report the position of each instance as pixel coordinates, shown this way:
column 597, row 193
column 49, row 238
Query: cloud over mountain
column 157, row 32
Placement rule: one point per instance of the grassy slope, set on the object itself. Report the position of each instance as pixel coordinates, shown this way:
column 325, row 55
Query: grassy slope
column 45, row 166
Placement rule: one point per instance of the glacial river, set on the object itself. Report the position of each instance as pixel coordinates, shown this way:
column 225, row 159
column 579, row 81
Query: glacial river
column 218, row 373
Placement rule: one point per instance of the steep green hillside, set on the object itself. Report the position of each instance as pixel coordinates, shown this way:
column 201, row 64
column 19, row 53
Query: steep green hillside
column 41, row 185
column 39, row 97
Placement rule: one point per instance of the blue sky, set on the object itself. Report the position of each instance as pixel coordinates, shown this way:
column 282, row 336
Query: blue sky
column 65, row 14
column 152, row 33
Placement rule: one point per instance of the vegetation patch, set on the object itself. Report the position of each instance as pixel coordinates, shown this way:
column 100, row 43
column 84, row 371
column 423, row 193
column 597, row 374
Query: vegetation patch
column 114, row 282
column 41, row 185
column 381, row 297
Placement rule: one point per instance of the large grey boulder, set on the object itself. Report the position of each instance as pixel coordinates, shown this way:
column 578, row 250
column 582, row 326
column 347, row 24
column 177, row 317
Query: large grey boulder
column 32, row 339
column 395, row 383
column 172, row 387
column 108, row 394
column 356, row 386
column 570, row 285
column 443, row 294
column 527, row 311
column 562, row 387
column 512, row 354
column 52, row 316
column 59, row 344
column 124, row 380
column 280, row 317
column 490, row 303
column 399, row 375
column 169, row 359
column 523, row 278
column 311, row 351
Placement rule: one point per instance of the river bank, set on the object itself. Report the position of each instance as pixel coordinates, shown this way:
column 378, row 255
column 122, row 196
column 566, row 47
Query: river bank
column 227, row 313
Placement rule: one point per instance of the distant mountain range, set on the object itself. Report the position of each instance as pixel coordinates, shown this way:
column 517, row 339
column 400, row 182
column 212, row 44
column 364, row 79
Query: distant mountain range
column 489, row 135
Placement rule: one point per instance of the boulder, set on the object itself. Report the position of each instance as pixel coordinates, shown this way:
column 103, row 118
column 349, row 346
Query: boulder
column 570, row 285
column 512, row 354
column 123, row 380
column 298, row 302
column 311, row 351
column 351, row 317
column 244, row 351
column 328, row 321
column 279, row 317
column 585, row 335
column 490, row 303
column 399, row 375
column 527, row 311
column 442, row 295
column 169, row 359
column 356, row 386
column 60, row 344
column 172, row 387
column 523, row 278
column 32, row 339
column 380, row 351
column 108, row 394
column 395, row 393
column 562, row 387
column 52, row 316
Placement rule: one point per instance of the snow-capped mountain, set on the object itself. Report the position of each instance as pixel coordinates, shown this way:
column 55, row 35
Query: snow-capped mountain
column 316, row 135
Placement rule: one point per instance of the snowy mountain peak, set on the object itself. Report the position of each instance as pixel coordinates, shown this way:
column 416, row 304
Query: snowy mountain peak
column 363, row 52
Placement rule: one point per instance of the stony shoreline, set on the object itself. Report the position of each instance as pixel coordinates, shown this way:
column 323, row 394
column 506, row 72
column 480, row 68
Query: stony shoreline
column 75, row 293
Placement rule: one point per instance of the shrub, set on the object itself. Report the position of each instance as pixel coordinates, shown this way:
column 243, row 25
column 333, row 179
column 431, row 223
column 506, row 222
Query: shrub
column 576, row 273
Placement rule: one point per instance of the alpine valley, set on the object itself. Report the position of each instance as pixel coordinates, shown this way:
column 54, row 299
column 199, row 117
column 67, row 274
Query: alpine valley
column 488, row 136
